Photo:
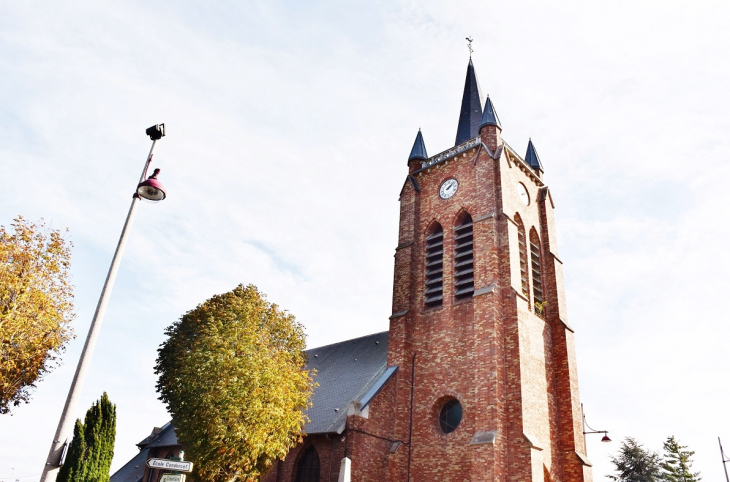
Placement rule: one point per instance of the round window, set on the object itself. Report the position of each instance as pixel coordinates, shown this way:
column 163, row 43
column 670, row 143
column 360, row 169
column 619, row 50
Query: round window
column 450, row 416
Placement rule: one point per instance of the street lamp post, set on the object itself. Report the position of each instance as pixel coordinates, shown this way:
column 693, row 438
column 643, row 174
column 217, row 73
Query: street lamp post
column 152, row 190
column 604, row 439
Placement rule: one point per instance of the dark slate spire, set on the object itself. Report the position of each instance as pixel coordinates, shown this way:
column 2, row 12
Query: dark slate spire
column 471, row 107
column 490, row 117
column 532, row 158
column 419, row 148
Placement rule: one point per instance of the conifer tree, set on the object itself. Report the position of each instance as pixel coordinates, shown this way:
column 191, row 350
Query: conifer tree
column 634, row 463
column 72, row 469
column 677, row 465
column 92, row 448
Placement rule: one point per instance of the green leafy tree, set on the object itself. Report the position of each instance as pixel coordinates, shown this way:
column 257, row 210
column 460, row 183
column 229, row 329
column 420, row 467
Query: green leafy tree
column 634, row 463
column 36, row 307
column 677, row 464
column 91, row 451
column 232, row 375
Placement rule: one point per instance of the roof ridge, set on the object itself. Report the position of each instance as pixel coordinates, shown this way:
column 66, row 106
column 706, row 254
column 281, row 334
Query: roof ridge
column 345, row 341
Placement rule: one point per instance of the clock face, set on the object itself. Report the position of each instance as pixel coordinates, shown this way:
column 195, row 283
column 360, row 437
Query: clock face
column 523, row 194
column 448, row 188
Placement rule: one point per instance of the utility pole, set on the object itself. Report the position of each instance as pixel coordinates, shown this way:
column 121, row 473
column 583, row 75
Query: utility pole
column 724, row 459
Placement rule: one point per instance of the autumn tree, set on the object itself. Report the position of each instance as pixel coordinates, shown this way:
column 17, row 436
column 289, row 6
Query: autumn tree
column 36, row 307
column 232, row 375
column 634, row 463
column 677, row 464
column 90, row 454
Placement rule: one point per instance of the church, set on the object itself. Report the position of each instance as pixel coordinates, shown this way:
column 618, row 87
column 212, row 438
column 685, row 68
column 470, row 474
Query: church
column 476, row 378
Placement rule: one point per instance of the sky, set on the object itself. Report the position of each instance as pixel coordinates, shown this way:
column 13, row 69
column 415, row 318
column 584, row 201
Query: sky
column 288, row 130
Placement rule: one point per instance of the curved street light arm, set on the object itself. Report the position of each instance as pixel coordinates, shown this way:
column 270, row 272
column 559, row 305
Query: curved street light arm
column 590, row 431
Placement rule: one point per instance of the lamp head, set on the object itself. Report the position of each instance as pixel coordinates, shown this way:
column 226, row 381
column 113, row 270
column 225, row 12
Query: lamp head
column 152, row 189
column 605, row 438
column 156, row 132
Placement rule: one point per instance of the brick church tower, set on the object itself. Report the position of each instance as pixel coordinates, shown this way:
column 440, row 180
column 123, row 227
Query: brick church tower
column 486, row 386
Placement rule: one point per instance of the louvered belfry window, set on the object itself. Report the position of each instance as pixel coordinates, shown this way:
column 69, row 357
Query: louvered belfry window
column 537, row 293
column 464, row 258
column 522, row 242
column 434, row 289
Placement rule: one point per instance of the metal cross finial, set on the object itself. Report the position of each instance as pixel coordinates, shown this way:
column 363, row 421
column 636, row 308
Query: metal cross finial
column 471, row 50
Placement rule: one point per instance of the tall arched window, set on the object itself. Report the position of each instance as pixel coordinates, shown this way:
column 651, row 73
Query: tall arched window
column 308, row 466
column 434, row 288
column 464, row 257
column 522, row 242
column 537, row 294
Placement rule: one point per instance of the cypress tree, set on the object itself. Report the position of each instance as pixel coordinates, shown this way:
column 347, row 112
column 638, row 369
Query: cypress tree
column 73, row 466
column 92, row 449
column 677, row 465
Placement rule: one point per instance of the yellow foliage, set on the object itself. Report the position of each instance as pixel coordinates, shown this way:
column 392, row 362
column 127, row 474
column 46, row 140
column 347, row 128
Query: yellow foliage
column 36, row 307
column 232, row 375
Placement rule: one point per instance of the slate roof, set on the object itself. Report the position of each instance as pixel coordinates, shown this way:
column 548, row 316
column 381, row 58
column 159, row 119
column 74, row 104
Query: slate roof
column 470, row 115
column 532, row 158
column 352, row 370
column 419, row 148
column 345, row 372
column 133, row 470
column 490, row 117
column 146, row 441
column 166, row 438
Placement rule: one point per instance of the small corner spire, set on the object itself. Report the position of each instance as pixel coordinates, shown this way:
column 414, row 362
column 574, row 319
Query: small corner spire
column 490, row 117
column 532, row 158
column 419, row 148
